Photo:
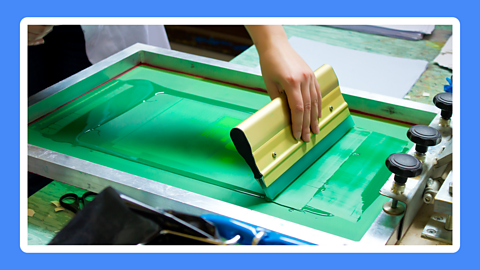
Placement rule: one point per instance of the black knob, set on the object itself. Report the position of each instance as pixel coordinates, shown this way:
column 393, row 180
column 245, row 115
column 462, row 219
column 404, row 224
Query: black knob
column 403, row 166
column 423, row 137
column 444, row 102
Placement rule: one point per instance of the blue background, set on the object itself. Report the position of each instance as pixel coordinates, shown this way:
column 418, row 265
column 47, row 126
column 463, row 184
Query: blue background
column 13, row 12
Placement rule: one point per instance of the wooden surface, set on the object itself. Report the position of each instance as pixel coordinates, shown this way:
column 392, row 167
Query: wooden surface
column 44, row 224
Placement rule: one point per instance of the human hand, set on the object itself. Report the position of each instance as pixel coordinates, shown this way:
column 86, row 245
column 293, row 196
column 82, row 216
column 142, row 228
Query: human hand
column 283, row 70
column 37, row 32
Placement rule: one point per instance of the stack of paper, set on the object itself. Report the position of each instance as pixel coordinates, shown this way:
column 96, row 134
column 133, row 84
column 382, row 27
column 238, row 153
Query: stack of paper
column 413, row 32
column 444, row 59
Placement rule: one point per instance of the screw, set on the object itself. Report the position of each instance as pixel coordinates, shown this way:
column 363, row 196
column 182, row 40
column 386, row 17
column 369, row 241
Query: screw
column 431, row 231
column 274, row 155
column 450, row 188
column 437, row 218
column 428, row 198
column 331, row 108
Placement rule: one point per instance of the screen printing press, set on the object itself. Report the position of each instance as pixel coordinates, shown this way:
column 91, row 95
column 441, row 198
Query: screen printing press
column 201, row 136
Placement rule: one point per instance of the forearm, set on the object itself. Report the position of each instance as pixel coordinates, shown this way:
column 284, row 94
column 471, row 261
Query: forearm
column 37, row 32
column 267, row 36
column 284, row 71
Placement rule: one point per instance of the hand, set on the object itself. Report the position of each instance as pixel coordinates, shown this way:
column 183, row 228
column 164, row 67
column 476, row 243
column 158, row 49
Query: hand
column 283, row 70
column 37, row 32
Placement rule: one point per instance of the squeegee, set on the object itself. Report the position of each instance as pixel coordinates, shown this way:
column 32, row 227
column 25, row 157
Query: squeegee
column 266, row 142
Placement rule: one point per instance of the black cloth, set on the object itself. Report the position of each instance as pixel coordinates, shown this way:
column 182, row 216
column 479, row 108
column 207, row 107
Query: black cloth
column 106, row 220
column 111, row 220
column 62, row 55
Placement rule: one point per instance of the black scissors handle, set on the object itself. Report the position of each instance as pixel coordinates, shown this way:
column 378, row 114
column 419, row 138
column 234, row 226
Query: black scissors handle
column 75, row 205
column 86, row 195
column 72, row 206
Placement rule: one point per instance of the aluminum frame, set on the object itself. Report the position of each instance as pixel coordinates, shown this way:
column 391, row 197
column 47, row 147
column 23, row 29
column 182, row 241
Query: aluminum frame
column 95, row 177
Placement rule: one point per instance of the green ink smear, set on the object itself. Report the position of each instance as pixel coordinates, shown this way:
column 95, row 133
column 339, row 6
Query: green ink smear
column 174, row 129
column 145, row 122
column 355, row 184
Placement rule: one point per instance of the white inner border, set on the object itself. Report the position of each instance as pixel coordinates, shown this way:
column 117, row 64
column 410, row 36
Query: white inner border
column 235, row 249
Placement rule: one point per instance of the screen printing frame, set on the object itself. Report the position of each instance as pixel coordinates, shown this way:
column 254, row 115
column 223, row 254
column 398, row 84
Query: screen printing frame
column 95, row 177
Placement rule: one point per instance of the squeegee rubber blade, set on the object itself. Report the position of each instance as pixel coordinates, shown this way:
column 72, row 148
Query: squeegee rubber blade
column 308, row 159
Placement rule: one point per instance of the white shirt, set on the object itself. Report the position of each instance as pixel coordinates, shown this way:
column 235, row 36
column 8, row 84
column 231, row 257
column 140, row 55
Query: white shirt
column 102, row 41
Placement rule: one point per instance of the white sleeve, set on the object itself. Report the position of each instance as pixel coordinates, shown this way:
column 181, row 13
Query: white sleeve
column 102, row 41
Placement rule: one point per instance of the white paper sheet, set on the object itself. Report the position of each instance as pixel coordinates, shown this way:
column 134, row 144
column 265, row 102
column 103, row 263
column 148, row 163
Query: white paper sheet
column 375, row 73
column 414, row 32
column 444, row 59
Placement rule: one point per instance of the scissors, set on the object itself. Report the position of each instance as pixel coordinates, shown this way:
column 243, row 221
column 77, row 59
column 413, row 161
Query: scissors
column 72, row 202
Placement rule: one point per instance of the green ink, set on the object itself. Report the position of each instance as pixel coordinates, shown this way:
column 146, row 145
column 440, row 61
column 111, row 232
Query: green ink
column 318, row 212
column 355, row 184
column 174, row 129
column 166, row 131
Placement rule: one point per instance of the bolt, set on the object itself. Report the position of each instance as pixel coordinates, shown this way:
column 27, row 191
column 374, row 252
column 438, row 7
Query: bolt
column 274, row 155
column 394, row 203
column 331, row 108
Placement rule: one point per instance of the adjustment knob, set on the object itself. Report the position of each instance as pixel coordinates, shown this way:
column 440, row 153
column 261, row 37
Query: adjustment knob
column 443, row 101
column 423, row 137
column 403, row 166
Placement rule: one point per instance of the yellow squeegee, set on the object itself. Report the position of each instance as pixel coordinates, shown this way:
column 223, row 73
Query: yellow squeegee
column 266, row 142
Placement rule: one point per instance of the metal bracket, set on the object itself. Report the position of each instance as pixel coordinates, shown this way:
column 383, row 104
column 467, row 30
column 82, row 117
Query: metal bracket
column 435, row 229
column 415, row 187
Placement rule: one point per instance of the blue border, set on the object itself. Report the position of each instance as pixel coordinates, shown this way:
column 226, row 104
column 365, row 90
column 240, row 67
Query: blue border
column 15, row 11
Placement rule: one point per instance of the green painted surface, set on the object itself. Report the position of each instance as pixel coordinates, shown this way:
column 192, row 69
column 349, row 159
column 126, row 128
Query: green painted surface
column 430, row 82
column 174, row 129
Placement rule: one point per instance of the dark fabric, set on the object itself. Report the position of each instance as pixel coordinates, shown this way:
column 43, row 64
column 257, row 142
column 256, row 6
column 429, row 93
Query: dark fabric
column 106, row 220
column 62, row 55
column 111, row 219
